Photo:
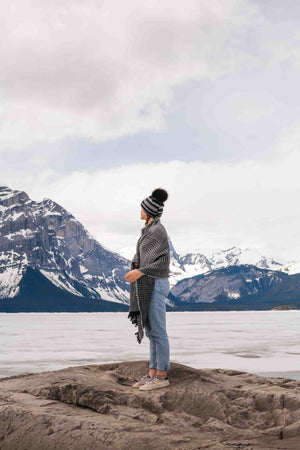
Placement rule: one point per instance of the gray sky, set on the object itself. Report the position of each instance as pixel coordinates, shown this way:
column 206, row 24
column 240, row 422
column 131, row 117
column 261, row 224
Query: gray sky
column 103, row 101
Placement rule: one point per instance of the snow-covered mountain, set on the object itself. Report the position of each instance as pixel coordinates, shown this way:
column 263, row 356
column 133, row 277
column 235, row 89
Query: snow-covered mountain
column 45, row 237
column 201, row 262
column 47, row 258
column 238, row 286
column 234, row 256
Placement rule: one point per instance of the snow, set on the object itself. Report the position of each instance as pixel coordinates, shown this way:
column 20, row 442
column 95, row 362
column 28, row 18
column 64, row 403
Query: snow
column 25, row 233
column 233, row 295
column 16, row 215
column 69, row 261
column 55, row 278
column 195, row 269
column 25, row 259
column 39, row 342
column 87, row 276
column 83, row 269
column 52, row 213
column 105, row 294
column 7, row 196
column 292, row 268
column 9, row 281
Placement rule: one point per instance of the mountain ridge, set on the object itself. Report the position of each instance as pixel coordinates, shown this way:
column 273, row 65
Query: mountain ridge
column 48, row 239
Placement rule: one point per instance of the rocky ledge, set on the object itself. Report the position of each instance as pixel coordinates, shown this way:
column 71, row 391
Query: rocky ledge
column 95, row 407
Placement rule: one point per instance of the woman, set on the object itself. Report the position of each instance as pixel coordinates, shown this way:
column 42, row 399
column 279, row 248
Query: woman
column 149, row 287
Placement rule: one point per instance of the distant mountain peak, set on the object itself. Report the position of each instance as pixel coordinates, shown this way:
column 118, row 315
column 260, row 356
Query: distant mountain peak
column 46, row 237
column 242, row 287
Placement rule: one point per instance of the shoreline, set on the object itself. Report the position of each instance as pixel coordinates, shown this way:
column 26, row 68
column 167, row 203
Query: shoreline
column 291, row 374
column 288, row 375
column 191, row 312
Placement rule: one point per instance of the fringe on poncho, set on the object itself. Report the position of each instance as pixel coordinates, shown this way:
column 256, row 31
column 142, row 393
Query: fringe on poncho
column 152, row 258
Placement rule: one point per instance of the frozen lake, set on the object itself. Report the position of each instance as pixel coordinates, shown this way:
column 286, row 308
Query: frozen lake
column 262, row 342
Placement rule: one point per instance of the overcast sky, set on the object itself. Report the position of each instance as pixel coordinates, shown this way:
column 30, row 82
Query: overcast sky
column 103, row 101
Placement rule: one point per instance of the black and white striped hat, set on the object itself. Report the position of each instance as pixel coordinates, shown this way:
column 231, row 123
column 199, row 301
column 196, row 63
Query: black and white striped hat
column 154, row 204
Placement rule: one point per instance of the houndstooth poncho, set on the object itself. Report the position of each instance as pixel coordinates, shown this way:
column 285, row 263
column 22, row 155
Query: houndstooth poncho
column 152, row 258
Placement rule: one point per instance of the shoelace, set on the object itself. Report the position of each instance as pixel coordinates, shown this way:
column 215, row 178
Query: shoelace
column 146, row 377
column 151, row 380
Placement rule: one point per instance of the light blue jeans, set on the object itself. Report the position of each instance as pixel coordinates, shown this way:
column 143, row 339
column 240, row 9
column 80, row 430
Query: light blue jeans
column 155, row 326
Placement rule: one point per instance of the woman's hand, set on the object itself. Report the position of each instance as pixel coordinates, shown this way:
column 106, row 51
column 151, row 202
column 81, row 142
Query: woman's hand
column 133, row 275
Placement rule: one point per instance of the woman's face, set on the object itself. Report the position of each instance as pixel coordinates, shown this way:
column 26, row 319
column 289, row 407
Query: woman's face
column 143, row 214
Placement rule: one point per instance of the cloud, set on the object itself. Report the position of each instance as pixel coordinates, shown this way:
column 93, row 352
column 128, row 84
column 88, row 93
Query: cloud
column 210, row 205
column 101, row 70
column 212, row 80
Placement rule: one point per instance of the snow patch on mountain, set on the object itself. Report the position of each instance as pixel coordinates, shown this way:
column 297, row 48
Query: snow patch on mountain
column 9, row 282
column 292, row 268
column 45, row 236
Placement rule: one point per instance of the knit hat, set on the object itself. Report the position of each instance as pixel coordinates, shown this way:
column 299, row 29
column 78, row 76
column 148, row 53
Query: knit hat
column 154, row 204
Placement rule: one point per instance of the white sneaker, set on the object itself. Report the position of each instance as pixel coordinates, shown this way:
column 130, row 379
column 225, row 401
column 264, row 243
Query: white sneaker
column 142, row 381
column 155, row 383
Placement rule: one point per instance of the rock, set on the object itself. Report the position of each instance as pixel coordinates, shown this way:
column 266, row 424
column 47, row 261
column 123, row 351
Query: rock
column 284, row 308
column 95, row 407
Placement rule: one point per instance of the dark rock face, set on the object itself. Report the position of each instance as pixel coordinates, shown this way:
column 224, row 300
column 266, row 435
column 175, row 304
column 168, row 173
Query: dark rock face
column 231, row 282
column 44, row 236
column 38, row 294
column 95, row 407
column 244, row 286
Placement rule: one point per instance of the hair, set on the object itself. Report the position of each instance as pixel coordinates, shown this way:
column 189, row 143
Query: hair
column 147, row 219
